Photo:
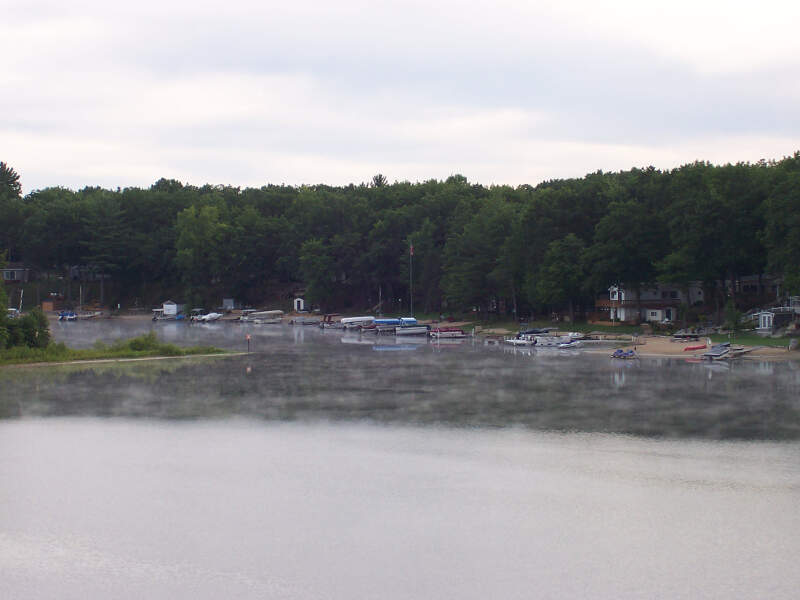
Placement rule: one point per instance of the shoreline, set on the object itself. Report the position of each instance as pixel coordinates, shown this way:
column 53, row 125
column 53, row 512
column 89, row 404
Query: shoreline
column 649, row 346
column 661, row 347
column 117, row 360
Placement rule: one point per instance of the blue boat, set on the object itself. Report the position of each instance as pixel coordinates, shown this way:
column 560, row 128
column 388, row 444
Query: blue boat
column 624, row 354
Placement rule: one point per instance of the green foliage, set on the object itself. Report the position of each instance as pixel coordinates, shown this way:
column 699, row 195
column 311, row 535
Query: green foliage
column 733, row 317
column 10, row 186
column 562, row 274
column 4, row 335
column 31, row 330
column 143, row 346
column 475, row 246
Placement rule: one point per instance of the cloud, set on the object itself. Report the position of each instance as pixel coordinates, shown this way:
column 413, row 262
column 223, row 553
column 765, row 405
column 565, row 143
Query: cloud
column 248, row 93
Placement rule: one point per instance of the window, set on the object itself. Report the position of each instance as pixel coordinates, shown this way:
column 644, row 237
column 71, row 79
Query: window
column 653, row 313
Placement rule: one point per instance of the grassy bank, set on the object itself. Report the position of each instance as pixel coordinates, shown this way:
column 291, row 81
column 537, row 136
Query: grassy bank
column 144, row 346
column 751, row 339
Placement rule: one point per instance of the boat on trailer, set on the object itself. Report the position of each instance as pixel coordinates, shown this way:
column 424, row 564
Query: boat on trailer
column 410, row 326
column 385, row 325
column 357, row 322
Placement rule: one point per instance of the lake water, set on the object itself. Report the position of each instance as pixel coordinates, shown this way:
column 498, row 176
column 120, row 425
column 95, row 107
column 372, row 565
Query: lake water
column 331, row 466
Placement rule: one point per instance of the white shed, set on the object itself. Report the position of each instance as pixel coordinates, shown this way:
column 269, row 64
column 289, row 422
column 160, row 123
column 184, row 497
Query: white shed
column 171, row 309
column 299, row 305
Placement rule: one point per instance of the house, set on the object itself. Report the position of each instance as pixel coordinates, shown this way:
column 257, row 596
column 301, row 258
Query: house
column 15, row 272
column 769, row 321
column 652, row 303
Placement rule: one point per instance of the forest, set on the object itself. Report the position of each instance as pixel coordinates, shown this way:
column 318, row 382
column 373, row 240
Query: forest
column 496, row 250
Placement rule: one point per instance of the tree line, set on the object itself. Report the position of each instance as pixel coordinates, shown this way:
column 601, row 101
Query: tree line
column 513, row 250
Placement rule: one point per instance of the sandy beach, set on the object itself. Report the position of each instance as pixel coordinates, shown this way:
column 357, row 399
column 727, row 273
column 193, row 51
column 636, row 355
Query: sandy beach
column 661, row 346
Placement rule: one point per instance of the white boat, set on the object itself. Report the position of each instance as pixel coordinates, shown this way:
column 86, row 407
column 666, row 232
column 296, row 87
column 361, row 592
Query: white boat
column 306, row 321
column 447, row 332
column 520, row 341
column 410, row 326
column 261, row 317
column 556, row 341
column 411, row 330
column 209, row 317
column 357, row 322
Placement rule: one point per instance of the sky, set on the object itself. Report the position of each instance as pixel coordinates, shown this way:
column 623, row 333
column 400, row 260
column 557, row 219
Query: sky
column 113, row 94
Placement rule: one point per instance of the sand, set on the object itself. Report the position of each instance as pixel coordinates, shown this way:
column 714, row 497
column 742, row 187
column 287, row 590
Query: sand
column 654, row 345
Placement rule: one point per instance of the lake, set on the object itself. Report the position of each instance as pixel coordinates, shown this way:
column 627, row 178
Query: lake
column 325, row 465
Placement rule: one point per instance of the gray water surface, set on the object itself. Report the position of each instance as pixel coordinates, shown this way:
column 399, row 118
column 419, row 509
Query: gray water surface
column 323, row 466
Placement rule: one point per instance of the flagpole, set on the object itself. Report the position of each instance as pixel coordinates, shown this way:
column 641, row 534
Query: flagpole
column 411, row 279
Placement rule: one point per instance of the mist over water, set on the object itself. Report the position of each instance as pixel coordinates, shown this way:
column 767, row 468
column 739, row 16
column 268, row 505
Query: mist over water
column 304, row 374
column 331, row 466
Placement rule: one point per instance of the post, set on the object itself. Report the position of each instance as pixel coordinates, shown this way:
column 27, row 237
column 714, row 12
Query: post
column 248, row 343
column 411, row 279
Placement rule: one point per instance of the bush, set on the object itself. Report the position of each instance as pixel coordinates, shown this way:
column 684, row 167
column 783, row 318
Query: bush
column 32, row 330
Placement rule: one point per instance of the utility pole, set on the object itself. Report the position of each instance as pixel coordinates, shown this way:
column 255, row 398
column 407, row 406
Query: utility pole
column 411, row 278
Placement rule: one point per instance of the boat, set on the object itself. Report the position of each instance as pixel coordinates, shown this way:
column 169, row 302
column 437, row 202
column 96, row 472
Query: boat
column 536, row 331
column 386, row 325
column 302, row 320
column 91, row 314
column 520, row 341
column 331, row 321
column 621, row 354
column 447, row 332
column 69, row 315
column 410, row 326
column 570, row 343
column 717, row 351
column 692, row 348
column 357, row 322
column 209, row 317
column 556, row 341
column 261, row 317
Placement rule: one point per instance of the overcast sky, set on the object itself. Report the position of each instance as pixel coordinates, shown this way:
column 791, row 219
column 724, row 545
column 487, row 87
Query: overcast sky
column 250, row 93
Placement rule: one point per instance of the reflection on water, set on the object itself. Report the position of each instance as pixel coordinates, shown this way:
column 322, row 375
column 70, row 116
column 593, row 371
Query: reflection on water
column 347, row 467
column 302, row 373
column 234, row 509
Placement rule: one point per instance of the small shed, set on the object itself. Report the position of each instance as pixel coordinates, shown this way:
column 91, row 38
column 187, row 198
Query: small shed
column 172, row 309
column 769, row 321
column 299, row 305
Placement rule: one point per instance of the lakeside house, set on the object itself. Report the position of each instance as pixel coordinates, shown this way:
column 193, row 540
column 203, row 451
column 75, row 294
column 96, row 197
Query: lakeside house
column 769, row 321
column 656, row 303
column 16, row 272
